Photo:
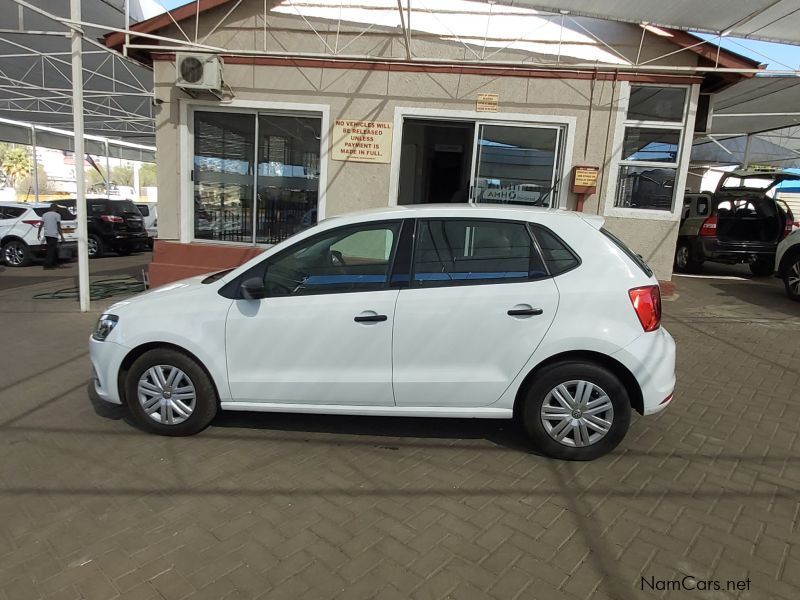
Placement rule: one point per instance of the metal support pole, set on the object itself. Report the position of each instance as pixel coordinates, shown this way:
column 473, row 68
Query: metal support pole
column 35, row 166
column 127, row 27
column 746, row 158
column 108, row 172
column 80, row 155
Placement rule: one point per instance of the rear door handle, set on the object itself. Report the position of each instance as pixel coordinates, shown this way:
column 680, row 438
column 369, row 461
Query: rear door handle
column 521, row 312
column 370, row 318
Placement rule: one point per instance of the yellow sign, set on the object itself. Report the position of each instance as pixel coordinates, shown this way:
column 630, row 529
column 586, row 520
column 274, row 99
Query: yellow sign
column 487, row 102
column 362, row 141
column 585, row 177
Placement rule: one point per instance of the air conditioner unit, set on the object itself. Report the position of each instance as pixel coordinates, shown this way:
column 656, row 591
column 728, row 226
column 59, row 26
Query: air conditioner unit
column 199, row 72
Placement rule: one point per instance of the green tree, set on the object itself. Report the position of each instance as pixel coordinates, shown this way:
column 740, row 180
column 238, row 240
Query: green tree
column 122, row 175
column 147, row 175
column 17, row 164
column 25, row 185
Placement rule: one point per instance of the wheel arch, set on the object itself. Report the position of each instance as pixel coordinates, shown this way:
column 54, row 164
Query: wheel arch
column 621, row 371
column 138, row 351
column 13, row 238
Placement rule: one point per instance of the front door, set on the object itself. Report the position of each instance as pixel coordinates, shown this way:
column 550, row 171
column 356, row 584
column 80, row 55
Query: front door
column 479, row 303
column 323, row 334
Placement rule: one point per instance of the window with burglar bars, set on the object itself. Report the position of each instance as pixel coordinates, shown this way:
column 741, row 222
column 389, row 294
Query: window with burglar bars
column 651, row 148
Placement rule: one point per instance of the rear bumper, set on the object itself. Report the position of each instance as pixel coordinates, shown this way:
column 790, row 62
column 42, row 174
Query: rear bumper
column 651, row 359
column 715, row 249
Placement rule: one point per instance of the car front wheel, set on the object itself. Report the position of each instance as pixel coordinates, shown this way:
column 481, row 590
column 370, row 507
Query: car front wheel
column 576, row 411
column 168, row 393
column 16, row 253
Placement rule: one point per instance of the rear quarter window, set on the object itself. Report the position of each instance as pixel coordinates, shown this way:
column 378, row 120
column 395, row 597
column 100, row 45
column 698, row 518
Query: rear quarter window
column 636, row 258
column 11, row 212
column 558, row 256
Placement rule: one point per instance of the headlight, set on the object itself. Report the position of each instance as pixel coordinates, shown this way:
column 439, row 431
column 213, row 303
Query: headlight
column 105, row 324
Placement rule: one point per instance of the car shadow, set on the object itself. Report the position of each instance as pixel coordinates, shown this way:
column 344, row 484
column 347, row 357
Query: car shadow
column 501, row 432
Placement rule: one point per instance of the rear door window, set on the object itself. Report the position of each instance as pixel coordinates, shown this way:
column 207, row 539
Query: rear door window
column 471, row 251
column 11, row 212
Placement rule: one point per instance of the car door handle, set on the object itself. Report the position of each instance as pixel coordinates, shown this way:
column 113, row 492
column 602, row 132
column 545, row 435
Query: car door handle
column 522, row 312
column 370, row 318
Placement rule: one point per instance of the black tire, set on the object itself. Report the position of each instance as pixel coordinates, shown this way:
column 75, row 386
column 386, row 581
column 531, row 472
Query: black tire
column 16, row 253
column 761, row 268
column 791, row 269
column 99, row 250
column 686, row 258
column 205, row 393
column 570, row 371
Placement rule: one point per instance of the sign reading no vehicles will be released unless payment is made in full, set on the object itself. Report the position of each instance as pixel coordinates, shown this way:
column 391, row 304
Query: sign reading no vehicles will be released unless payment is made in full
column 362, row 141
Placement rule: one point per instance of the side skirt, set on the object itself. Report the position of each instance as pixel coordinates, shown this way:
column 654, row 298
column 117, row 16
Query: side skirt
column 394, row 411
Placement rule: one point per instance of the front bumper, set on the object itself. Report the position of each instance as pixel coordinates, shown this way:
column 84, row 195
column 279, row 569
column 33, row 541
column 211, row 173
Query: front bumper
column 651, row 359
column 106, row 358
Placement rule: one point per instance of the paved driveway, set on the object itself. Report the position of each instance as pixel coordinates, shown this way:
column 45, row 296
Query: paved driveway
column 279, row 506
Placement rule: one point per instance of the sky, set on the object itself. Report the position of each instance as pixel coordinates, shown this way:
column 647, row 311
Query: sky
column 776, row 56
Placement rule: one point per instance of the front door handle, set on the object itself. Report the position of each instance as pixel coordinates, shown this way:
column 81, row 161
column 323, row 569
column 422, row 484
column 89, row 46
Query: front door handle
column 522, row 312
column 370, row 318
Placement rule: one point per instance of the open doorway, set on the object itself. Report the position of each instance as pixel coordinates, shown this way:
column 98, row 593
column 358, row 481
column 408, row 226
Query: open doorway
column 435, row 161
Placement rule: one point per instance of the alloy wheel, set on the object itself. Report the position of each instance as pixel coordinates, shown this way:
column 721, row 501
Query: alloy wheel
column 577, row 413
column 166, row 394
column 793, row 278
column 14, row 254
column 92, row 246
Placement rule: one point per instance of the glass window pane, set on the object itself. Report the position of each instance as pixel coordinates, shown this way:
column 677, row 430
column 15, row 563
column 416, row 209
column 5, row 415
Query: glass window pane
column 223, row 176
column 650, row 103
column 516, row 165
column 645, row 187
column 452, row 252
column 557, row 254
column 350, row 259
column 288, row 175
column 651, row 145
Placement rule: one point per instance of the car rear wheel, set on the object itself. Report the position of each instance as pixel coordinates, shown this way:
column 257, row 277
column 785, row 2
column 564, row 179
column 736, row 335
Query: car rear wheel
column 686, row 259
column 576, row 411
column 168, row 393
column 95, row 247
column 761, row 268
column 791, row 278
column 16, row 253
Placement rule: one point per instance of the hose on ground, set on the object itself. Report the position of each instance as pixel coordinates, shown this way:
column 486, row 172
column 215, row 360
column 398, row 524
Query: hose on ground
column 98, row 290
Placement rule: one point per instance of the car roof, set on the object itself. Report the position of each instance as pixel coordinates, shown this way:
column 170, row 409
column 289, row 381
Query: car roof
column 488, row 211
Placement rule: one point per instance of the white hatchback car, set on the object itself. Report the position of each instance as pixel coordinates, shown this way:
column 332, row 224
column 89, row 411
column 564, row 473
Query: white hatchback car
column 434, row 311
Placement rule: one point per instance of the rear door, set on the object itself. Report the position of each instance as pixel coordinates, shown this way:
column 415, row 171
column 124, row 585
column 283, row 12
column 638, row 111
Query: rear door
column 480, row 301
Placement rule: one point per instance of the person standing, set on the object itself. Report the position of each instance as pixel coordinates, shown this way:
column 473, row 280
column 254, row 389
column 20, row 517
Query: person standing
column 51, row 227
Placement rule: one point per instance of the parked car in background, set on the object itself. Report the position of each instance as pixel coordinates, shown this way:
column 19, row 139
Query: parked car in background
column 113, row 225
column 20, row 242
column 741, row 222
column 425, row 311
column 149, row 212
column 787, row 264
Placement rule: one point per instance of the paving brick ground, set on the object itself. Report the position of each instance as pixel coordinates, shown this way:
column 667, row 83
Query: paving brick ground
column 280, row 506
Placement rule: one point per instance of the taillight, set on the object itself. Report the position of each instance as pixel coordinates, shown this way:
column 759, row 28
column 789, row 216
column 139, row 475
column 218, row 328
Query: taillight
column 709, row 227
column 790, row 224
column 646, row 302
column 33, row 222
column 112, row 219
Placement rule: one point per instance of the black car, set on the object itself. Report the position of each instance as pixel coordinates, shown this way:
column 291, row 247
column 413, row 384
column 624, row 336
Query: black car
column 741, row 222
column 114, row 225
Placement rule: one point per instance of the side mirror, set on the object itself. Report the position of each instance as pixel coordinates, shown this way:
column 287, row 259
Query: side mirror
column 253, row 289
